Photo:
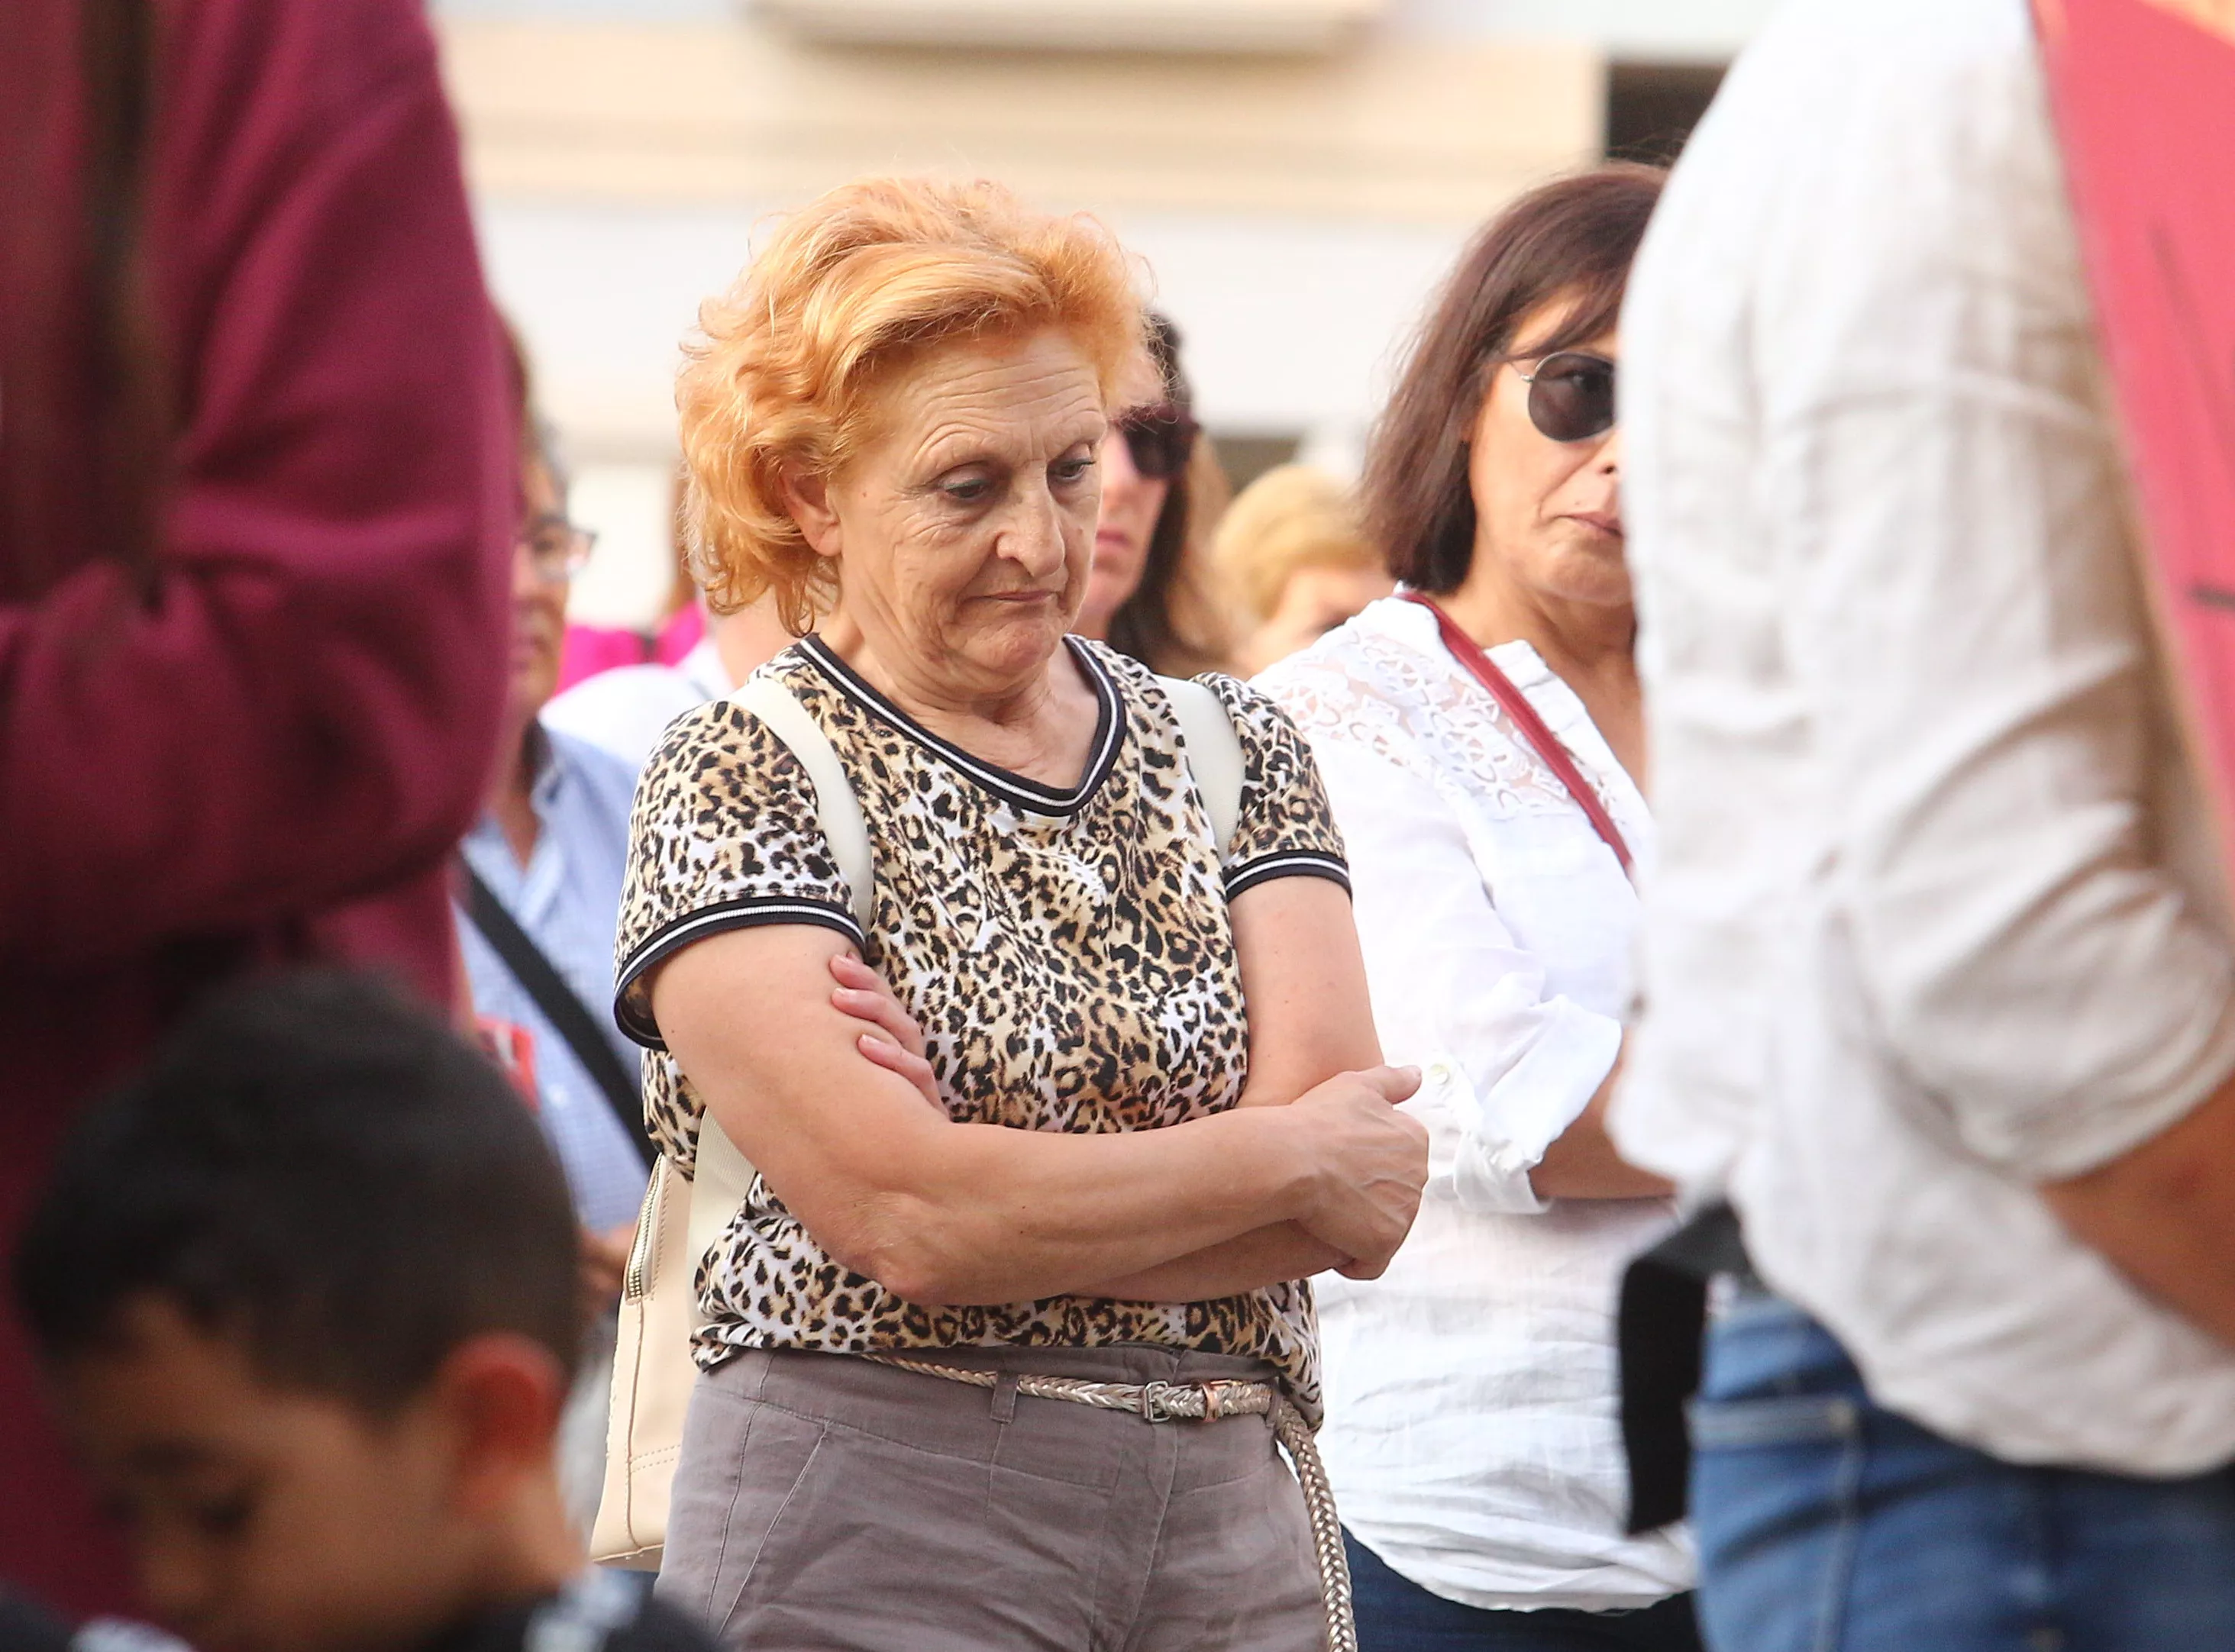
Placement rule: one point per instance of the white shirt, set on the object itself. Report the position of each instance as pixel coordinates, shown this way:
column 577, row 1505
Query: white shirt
column 1472, row 1434
column 1934, row 917
column 624, row 710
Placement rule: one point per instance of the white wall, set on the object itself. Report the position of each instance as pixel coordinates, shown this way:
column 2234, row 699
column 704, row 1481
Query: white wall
column 1639, row 28
column 1292, row 324
column 1680, row 30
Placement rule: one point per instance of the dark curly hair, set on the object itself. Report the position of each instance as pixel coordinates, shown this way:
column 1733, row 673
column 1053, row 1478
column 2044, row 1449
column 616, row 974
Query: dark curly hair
column 321, row 1173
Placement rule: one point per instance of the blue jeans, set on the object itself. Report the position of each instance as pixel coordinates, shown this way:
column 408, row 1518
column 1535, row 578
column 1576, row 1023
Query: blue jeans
column 1827, row 1524
column 1396, row 1614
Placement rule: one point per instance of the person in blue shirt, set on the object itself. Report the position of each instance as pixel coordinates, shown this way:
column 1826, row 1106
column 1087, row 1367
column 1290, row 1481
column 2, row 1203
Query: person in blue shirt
column 550, row 845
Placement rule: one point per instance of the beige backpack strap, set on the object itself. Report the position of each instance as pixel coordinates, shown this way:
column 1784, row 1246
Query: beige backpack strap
column 1214, row 754
column 652, row 1369
column 836, row 809
column 723, row 1177
column 721, row 1181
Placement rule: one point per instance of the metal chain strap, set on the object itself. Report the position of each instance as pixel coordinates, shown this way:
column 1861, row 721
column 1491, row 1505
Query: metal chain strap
column 1164, row 1402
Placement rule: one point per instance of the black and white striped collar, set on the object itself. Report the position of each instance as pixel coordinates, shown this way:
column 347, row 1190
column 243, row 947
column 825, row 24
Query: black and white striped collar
column 1019, row 791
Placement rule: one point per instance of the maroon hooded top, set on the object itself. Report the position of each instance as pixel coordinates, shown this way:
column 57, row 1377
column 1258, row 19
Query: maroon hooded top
column 271, row 758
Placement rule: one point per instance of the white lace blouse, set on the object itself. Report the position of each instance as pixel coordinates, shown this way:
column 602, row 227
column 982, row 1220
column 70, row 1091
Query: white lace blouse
column 1472, row 1433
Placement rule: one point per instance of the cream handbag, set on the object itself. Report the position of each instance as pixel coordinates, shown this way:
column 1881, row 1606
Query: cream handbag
column 653, row 1370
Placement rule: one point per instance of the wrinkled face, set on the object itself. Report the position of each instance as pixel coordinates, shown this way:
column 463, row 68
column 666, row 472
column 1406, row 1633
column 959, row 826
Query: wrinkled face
column 963, row 534
column 1130, row 505
column 261, row 1518
column 538, row 597
column 1548, row 515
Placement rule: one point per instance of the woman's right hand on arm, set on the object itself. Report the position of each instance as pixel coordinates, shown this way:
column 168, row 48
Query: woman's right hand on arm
column 890, row 1037
column 1369, row 1161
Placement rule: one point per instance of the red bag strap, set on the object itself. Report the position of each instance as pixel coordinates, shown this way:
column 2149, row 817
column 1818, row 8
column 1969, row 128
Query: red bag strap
column 1485, row 671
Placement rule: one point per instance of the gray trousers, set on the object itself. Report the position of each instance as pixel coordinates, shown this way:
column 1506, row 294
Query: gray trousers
column 827, row 1503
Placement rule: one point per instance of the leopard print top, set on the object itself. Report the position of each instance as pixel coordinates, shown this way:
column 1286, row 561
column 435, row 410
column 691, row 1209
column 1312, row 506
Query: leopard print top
column 1066, row 953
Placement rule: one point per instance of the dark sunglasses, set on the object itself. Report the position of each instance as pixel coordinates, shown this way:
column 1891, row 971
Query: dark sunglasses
column 1160, row 438
column 1570, row 396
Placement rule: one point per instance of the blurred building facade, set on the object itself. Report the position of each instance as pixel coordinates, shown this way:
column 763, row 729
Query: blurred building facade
column 1296, row 173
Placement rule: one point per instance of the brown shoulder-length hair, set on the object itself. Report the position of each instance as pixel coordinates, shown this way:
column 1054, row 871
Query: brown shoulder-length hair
column 1172, row 623
column 1573, row 239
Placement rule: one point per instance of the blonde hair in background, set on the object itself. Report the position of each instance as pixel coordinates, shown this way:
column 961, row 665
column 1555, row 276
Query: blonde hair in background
column 1291, row 518
column 781, row 377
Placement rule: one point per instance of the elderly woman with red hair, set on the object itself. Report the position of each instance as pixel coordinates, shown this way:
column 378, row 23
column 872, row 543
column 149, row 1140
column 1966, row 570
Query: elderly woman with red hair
column 1083, row 1100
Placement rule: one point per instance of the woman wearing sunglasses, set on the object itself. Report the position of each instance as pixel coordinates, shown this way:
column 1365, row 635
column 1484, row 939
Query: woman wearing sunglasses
column 1480, row 737
column 1162, row 494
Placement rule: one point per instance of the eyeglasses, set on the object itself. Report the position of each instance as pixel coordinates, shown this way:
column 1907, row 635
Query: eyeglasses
column 1160, row 438
column 557, row 548
column 1570, row 396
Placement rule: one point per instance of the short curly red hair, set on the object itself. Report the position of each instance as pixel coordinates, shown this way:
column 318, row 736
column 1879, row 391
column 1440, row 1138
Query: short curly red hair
column 782, row 375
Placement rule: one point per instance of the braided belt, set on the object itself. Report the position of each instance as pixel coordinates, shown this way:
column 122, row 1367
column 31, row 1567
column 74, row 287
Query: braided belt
column 1170, row 1402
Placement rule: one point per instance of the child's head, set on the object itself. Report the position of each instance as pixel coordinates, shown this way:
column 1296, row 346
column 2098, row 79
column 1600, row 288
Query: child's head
column 307, row 1290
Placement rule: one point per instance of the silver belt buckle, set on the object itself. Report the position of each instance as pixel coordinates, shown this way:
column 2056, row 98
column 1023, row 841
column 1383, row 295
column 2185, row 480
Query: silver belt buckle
column 1158, row 1398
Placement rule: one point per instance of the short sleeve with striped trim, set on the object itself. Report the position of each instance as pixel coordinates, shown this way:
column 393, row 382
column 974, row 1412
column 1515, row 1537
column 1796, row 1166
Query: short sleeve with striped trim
column 1286, row 828
column 724, row 836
